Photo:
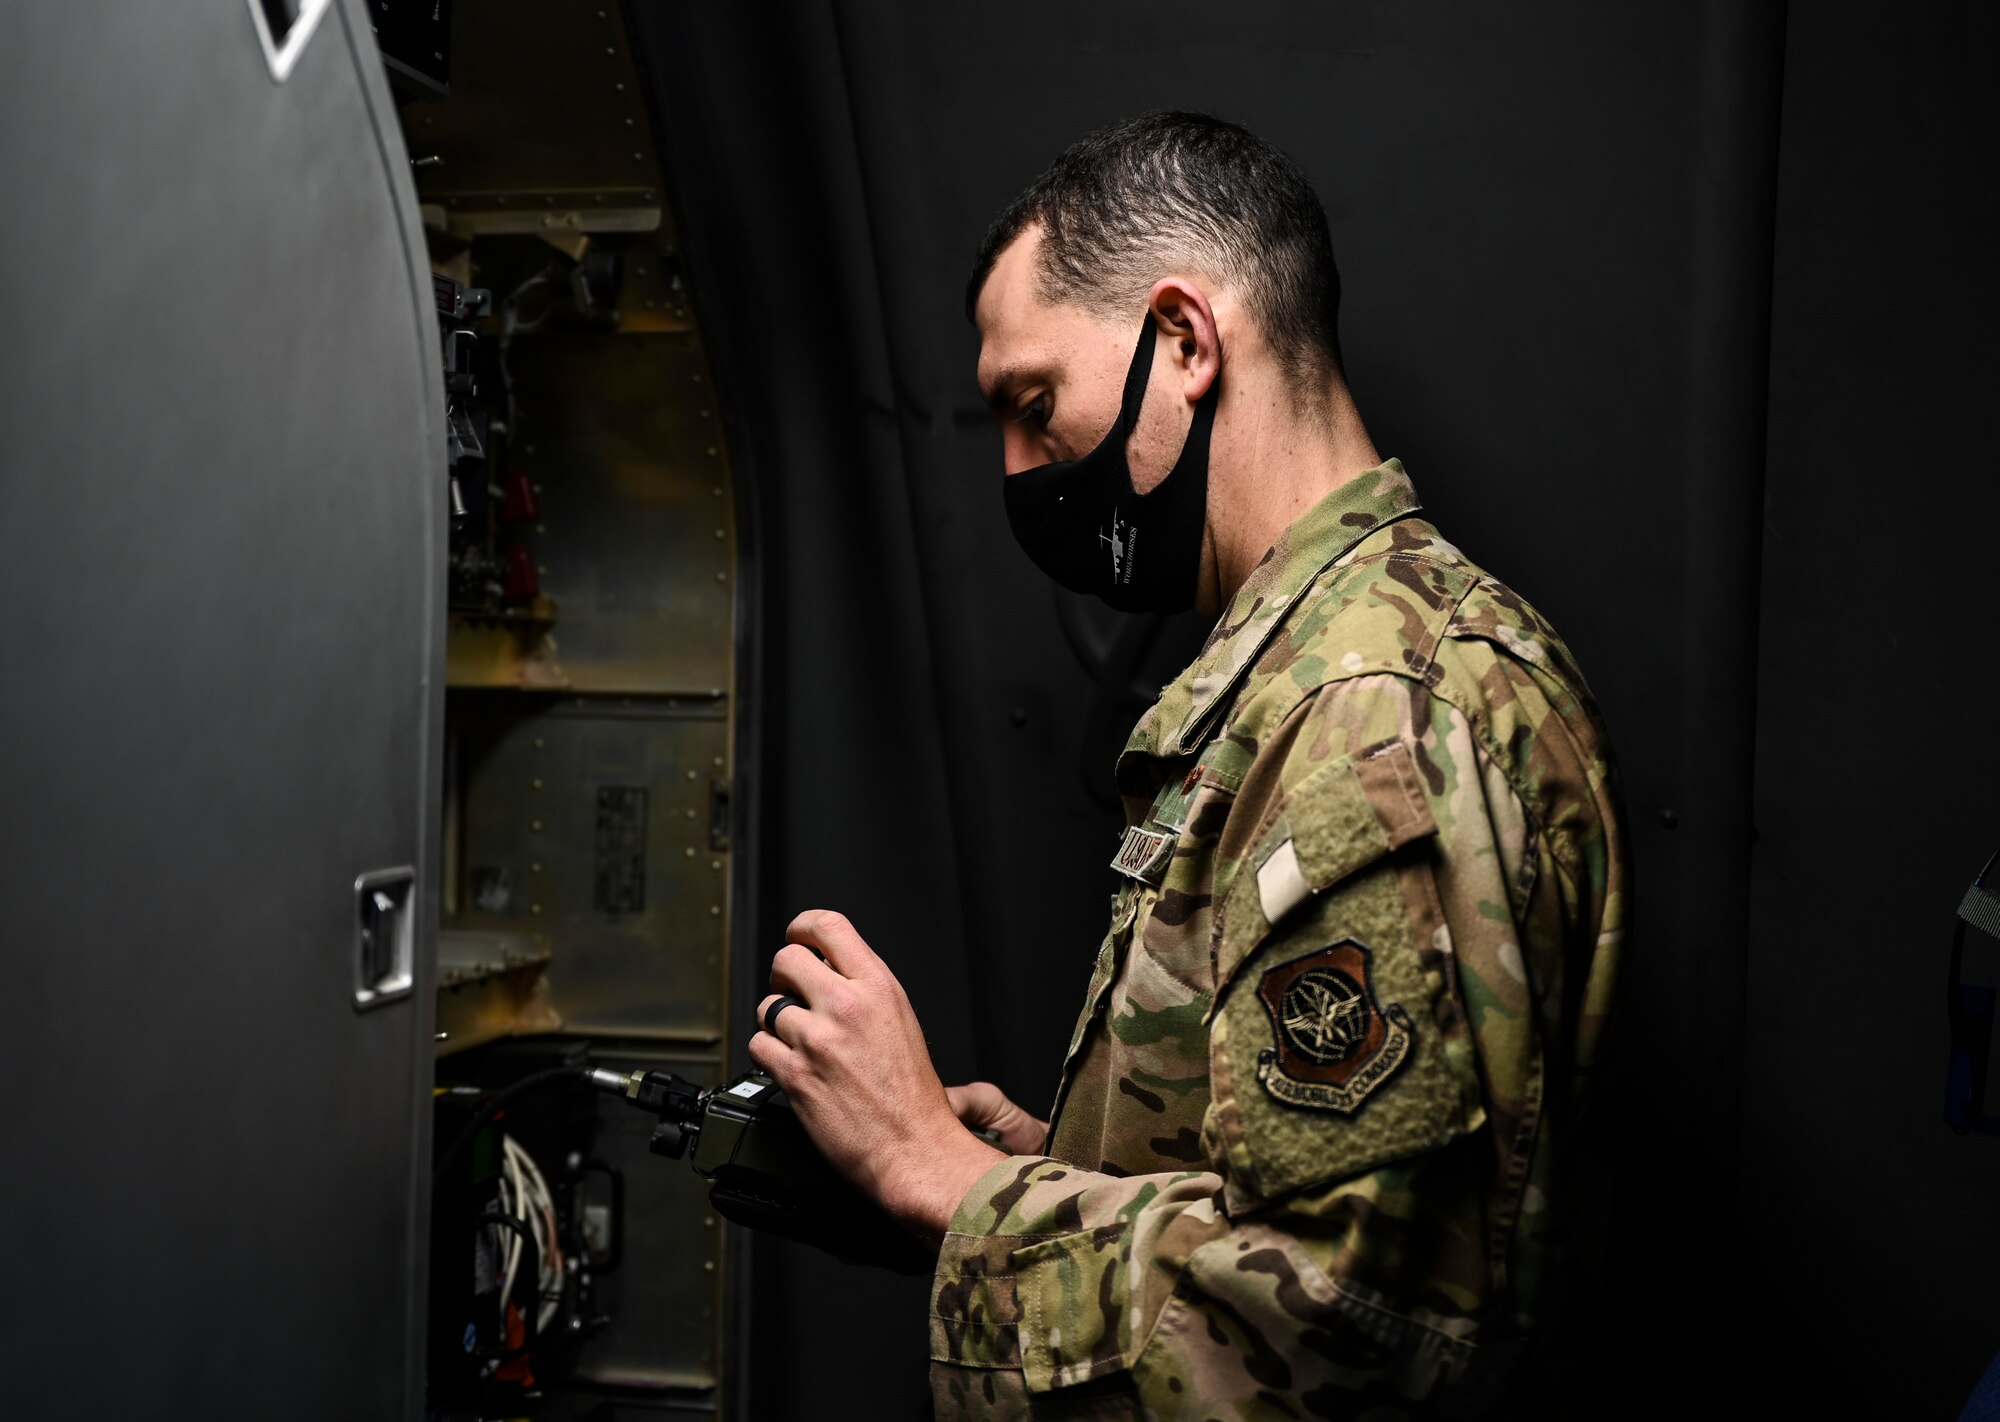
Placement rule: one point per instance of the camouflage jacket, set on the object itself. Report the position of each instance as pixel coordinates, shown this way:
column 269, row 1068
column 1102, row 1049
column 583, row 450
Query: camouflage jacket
column 1303, row 1157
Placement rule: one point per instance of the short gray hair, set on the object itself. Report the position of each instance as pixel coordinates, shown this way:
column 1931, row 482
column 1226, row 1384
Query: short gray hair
column 1132, row 202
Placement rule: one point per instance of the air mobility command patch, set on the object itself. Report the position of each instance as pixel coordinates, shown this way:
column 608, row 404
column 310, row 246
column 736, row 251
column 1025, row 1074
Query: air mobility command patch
column 1336, row 1042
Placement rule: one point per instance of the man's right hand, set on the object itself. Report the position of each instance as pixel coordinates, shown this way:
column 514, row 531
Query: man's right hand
column 982, row 1106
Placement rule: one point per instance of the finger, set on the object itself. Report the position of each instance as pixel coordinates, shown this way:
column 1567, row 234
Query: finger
column 835, row 938
column 771, row 1056
column 789, row 1026
column 795, row 968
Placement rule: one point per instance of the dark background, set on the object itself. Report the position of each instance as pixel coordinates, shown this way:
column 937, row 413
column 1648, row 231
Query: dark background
column 1680, row 315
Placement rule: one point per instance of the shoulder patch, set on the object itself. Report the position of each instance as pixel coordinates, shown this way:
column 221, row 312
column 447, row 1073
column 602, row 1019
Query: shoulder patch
column 1335, row 1041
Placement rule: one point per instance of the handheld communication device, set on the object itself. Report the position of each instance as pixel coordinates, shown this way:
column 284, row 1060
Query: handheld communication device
column 762, row 1169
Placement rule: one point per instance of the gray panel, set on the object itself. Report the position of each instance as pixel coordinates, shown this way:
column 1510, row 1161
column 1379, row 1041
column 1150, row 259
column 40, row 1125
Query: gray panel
column 589, row 822
column 662, row 1301
column 219, row 433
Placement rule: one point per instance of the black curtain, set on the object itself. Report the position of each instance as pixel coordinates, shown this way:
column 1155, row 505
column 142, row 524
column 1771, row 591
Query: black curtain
column 1556, row 223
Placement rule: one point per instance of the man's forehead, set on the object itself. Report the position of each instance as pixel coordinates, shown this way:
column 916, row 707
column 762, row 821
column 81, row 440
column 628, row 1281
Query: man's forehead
column 1015, row 324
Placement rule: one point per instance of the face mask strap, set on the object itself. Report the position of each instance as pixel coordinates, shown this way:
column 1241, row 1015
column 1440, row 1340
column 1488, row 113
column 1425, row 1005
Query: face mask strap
column 1137, row 376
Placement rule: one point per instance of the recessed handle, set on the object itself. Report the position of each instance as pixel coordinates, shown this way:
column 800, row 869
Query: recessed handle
column 385, row 936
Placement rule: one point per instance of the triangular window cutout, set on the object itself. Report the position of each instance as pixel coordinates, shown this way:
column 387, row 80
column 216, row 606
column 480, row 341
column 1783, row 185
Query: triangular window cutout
column 284, row 27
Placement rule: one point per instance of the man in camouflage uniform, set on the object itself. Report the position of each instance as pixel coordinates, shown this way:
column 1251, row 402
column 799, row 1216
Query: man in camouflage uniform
column 1310, row 1146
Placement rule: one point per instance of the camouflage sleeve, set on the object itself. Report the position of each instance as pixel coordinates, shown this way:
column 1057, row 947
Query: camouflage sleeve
column 1384, row 897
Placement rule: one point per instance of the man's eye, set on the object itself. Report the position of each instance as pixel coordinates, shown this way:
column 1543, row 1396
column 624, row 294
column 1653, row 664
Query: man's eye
column 1035, row 413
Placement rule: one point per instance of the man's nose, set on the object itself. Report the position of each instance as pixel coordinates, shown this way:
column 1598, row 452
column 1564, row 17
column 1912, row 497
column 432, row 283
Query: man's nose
column 1017, row 451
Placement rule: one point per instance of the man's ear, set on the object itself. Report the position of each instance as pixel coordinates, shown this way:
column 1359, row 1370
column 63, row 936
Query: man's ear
column 1187, row 326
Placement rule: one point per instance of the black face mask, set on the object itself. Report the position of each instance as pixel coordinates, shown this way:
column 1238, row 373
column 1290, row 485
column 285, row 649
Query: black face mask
column 1086, row 527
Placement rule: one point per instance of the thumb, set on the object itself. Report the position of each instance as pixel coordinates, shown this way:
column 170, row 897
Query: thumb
column 977, row 1103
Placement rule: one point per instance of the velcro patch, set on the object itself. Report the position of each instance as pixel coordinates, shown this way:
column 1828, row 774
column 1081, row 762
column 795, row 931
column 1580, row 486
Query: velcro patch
column 1281, row 884
column 1144, row 855
column 1336, row 1043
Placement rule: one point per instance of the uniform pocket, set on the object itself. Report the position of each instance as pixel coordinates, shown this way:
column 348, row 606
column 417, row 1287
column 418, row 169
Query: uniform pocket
column 1075, row 1319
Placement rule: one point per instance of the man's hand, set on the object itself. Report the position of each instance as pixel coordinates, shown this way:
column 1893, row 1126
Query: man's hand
column 985, row 1107
column 854, row 1063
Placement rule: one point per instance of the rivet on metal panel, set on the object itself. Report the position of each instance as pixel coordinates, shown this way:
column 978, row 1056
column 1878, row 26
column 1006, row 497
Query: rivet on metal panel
column 708, row 1264
column 721, row 533
column 619, row 87
column 715, row 863
column 715, row 910
column 689, row 851
column 534, row 908
column 638, row 157
column 690, row 775
column 534, row 868
column 688, row 813
column 722, row 577
column 610, row 49
column 534, row 824
column 537, row 784
column 703, row 414
column 708, row 1221
column 718, row 762
column 539, row 742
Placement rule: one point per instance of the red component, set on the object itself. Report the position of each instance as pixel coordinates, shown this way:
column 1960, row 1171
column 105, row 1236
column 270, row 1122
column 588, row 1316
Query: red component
column 518, row 1367
column 520, row 505
column 519, row 582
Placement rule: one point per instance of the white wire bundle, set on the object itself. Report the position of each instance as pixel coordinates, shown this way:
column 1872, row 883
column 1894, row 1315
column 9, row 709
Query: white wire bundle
column 524, row 1195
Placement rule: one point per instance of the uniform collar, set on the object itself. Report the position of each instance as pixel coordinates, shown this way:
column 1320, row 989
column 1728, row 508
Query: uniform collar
column 1317, row 539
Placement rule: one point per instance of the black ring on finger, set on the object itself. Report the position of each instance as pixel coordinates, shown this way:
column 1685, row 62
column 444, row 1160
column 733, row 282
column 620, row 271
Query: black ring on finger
column 771, row 1013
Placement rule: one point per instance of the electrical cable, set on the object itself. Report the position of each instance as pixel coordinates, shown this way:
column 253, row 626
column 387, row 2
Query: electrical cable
column 533, row 1204
column 493, row 1106
column 530, row 1322
column 511, row 1191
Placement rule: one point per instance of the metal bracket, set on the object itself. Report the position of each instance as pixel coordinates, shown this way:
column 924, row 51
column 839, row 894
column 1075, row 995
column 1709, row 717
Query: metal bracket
column 718, row 814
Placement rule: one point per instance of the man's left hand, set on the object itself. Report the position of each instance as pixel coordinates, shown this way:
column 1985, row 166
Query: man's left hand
column 854, row 1063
